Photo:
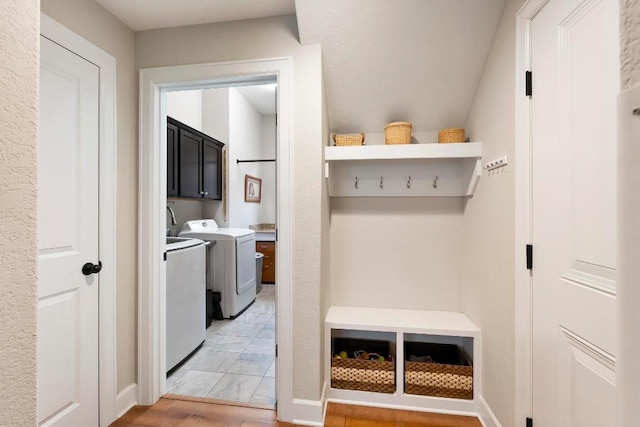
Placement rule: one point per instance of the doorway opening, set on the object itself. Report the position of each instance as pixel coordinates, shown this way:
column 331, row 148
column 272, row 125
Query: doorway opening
column 232, row 356
column 156, row 85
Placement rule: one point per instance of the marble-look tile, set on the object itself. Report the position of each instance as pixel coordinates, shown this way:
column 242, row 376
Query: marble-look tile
column 266, row 392
column 255, row 318
column 272, row 320
column 233, row 344
column 194, row 383
column 208, row 359
column 271, row 372
column 267, row 331
column 235, row 387
column 262, row 346
column 251, row 364
column 212, row 339
column 222, row 327
column 245, row 330
column 176, row 376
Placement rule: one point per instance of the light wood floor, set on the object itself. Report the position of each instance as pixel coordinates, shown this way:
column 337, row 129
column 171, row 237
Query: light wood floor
column 174, row 411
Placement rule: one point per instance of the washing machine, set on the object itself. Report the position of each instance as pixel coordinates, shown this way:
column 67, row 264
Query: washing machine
column 231, row 261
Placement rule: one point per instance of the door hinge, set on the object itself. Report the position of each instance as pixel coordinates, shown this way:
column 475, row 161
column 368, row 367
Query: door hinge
column 529, row 257
column 164, row 256
column 276, row 234
column 529, row 422
column 528, row 83
column 276, row 350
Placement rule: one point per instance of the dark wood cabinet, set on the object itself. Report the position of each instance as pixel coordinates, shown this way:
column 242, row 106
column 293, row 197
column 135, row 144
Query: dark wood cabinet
column 199, row 163
column 269, row 261
column 172, row 160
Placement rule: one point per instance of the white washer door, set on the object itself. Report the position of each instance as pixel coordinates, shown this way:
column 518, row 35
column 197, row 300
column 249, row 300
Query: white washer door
column 245, row 263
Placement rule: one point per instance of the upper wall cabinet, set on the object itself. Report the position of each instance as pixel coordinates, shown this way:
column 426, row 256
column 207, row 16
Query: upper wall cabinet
column 411, row 170
column 194, row 163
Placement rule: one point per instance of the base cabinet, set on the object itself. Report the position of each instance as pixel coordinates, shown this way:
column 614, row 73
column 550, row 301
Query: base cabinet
column 417, row 360
column 269, row 261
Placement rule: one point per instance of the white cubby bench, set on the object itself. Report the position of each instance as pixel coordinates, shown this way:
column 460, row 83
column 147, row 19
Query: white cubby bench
column 399, row 326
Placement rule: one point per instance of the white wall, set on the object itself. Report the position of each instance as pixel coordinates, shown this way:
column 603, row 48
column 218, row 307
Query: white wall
column 396, row 252
column 274, row 37
column 184, row 210
column 94, row 23
column 186, row 106
column 267, row 170
column 245, row 131
column 489, row 223
column 19, row 48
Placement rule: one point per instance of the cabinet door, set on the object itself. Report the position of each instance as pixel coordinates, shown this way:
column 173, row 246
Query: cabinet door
column 211, row 170
column 172, row 160
column 269, row 261
column 190, row 164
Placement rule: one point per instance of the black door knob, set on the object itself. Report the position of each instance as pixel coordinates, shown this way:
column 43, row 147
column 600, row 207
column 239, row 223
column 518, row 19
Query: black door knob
column 90, row 268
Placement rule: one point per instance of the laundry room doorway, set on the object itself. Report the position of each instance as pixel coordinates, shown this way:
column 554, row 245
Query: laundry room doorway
column 258, row 337
column 233, row 358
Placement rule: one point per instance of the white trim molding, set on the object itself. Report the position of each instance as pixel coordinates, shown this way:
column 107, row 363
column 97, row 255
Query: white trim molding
column 523, row 295
column 61, row 35
column 126, row 399
column 308, row 412
column 154, row 83
column 486, row 415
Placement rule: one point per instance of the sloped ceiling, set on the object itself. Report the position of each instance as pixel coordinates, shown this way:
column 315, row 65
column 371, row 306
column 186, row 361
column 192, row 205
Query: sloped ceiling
column 149, row 14
column 399, row 60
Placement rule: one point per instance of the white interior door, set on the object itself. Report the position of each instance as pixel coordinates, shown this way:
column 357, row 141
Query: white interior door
column 575, row 64
column 67, row 239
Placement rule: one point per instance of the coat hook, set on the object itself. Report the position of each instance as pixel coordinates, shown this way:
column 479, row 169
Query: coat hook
column 409, row 182
column 435, row 182
column 381, row 183
column 356, row 185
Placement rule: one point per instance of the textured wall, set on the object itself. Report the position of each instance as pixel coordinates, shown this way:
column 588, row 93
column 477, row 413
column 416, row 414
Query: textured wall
column 630, row 43
column 274, row 37
column 19, row 44
column 489, row 222
column 94, row 23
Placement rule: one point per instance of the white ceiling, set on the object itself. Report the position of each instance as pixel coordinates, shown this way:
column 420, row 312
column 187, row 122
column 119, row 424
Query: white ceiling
column 404, row 60
column 148, row 14
column 262, row 97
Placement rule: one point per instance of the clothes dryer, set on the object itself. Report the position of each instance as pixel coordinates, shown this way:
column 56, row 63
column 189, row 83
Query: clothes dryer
column 231, row 263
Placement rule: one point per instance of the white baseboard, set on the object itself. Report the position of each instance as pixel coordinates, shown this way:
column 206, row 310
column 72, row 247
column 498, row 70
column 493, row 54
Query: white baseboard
column 126, row 399
column 308, row 412
column 486, row 415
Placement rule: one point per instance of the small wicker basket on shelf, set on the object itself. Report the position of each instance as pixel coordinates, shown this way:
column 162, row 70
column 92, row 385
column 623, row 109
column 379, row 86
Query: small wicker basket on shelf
column 348, row 139
column 451, row 135
column 397, row 133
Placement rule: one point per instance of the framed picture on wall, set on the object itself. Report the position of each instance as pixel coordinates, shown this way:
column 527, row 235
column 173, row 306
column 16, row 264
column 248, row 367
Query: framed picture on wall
column 252, row 189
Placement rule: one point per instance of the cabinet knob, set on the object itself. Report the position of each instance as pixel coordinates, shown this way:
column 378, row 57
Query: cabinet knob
column 206, row 193
column 202, row 193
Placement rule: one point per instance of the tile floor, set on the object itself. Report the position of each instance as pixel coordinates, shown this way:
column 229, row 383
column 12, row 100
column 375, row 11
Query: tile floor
column 237, row 360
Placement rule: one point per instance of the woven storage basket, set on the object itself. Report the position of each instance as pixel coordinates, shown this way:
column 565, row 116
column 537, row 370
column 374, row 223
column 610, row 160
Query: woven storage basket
column 348, row 139
column 451, row 135
column 452, row 379
column 359, row 374
column 397, row 133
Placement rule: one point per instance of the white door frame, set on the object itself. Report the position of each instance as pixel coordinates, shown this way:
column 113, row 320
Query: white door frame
column 154, row 82
column 523, row 225
column 66, row 38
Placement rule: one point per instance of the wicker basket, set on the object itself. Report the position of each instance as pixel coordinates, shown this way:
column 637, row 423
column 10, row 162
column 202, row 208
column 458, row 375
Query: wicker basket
column 452, row 378
column 360, row 374
column 397, row 133
column 348, row 139
column 451, row 135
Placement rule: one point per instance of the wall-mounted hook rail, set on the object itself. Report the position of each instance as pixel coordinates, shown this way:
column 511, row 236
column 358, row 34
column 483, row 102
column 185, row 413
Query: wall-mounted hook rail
column 409, row 182
column 381, row 183
column 255, row 161
column 435, row 182
column 497, row 163
column 356, row 184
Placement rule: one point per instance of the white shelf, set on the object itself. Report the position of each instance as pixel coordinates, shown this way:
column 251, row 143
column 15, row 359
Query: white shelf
column 405, row 325
column 405, row 170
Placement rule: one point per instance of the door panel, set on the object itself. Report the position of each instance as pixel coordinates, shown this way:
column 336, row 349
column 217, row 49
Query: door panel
column 211, row 185
column 172, row 160
column 67, row 238
column 190, row 164
column 575, row 83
